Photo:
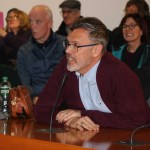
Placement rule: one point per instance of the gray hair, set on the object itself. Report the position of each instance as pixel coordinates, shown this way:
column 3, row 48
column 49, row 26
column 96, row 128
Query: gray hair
column 46, row 9
column 98, row 32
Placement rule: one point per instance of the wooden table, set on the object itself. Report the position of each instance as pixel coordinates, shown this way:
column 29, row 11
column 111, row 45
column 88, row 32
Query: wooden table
column 27, row 134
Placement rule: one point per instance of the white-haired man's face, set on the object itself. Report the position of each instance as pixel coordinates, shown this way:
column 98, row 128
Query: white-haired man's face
column 41, row 25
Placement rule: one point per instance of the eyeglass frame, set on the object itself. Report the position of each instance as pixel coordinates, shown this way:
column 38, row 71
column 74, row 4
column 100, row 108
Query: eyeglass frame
column 12, row 18
column 76, row 46
column 130, row 26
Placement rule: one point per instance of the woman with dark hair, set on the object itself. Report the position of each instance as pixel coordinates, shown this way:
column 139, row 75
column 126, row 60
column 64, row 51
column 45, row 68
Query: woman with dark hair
column 141, row 7
column 16, row 33
column 136, row 50
column 132, row 6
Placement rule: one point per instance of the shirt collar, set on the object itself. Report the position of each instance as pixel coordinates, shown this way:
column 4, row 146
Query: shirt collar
column 41, row 45
column 91, row 74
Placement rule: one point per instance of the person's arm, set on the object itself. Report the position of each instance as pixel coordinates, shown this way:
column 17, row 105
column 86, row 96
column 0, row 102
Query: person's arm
column 143, row 72
column 121, row 93
column 144, row 75
column 17, row 40
column 22, row 69
column 125, row 99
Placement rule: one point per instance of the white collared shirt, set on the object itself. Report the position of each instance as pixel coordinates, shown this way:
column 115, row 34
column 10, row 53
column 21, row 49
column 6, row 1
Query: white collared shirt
column 89, row 91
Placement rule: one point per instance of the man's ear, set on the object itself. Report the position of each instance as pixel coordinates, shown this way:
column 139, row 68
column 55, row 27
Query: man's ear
column 50, row 24
column 78, row 14
column 97, row 50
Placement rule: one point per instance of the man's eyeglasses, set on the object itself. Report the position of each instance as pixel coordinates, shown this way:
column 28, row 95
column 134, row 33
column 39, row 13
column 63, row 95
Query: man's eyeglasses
column 130, row 26
column 12, row 18
column 74, row 47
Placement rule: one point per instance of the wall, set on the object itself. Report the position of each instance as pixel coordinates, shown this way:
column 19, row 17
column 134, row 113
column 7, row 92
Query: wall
column 109, row 11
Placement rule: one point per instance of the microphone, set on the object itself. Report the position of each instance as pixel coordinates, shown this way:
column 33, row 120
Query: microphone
column 131, row 141
column 53, row 130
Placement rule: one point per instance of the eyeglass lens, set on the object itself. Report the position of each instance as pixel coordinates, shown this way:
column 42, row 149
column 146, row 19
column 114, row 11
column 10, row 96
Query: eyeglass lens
column 130, row 26
column 12, row 18
column 66, row 44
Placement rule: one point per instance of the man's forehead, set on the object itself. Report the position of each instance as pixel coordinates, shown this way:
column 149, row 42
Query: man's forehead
column 78, row 34
column 37, row 11
column 37, row 15
column 79, row 31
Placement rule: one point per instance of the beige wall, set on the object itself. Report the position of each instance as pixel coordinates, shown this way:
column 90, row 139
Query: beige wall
column 109, row 11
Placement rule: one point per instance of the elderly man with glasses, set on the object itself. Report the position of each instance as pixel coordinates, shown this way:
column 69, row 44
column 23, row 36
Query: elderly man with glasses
column 70, row 13
column 99, row 90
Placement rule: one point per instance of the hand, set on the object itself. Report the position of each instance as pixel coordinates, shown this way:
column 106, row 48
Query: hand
column 82, row 123
column 35, row 99
column 67, row 114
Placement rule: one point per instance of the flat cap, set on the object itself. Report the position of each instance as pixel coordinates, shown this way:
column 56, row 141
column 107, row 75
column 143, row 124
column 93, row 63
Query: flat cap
column 71, row 4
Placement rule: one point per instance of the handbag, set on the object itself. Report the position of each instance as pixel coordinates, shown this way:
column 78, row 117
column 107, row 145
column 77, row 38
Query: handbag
column 20, row 102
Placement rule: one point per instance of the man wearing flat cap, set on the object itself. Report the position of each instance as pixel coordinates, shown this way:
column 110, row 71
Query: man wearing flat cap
column 70, row 13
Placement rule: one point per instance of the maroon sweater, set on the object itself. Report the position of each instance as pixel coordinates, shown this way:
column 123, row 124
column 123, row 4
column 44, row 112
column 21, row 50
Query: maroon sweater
column 119, row 87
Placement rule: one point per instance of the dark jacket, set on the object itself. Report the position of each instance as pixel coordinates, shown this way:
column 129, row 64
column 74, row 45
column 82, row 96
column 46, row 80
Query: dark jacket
column 141, row 64
column 119, row 88
column 62, row 29
column 37, row 61
column 10, row 44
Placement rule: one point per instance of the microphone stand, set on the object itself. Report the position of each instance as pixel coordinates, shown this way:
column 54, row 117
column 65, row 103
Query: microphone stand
column 131, row 142
column 53, row 110
column 53, row 130
column 135, row 130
